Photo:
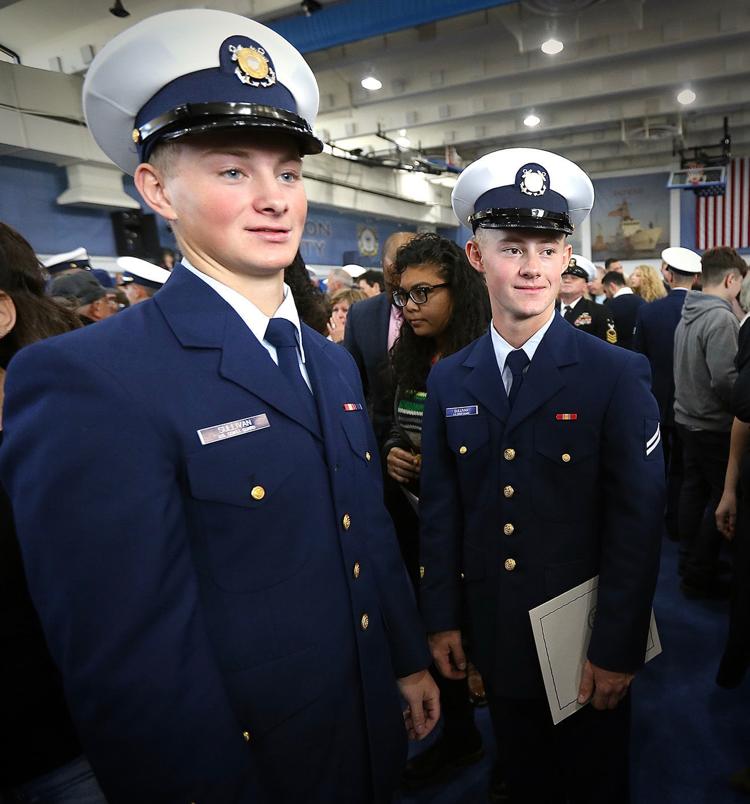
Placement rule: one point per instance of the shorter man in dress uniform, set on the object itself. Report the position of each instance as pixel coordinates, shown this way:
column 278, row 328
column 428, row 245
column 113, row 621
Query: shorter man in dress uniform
column 578, row 310
column 141, row 279
column 230, row 613
column 516, row 425
column 75, row 260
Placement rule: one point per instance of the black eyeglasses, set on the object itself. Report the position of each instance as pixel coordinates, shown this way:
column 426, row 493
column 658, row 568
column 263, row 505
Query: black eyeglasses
column 418, row 295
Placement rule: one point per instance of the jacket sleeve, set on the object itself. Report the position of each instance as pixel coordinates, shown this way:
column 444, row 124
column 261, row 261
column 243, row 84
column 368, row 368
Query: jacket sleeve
column 351, row 344
column 95, row 491
column 639, row 342
column 632, row 505
column 720, row 349
column 441, row 520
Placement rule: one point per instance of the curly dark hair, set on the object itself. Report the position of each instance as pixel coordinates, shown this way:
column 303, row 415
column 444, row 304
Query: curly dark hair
column 311, row 304
column 412, row 356
column 21, row 278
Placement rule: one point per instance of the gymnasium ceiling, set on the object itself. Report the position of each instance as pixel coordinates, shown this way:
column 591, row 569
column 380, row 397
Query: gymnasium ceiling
column 459, row 77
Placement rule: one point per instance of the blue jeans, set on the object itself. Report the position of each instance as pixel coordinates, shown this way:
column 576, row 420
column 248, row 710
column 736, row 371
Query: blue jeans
column 73, row 783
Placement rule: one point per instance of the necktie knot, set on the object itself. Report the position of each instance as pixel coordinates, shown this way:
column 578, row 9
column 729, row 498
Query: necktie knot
column 516, row 361
column 280, row 333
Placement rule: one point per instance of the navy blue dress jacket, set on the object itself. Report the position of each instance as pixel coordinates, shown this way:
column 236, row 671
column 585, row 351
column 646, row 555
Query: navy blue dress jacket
column 623, row 310
column 506, row 515
column 655, row 325
column 228, row 618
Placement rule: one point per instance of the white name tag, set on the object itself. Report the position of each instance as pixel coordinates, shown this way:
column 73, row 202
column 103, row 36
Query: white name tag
column 209, row 435
column 467, row 410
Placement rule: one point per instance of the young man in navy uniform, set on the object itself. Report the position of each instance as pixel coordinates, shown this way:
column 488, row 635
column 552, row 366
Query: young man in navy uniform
column 231, row 622
column 516, row 427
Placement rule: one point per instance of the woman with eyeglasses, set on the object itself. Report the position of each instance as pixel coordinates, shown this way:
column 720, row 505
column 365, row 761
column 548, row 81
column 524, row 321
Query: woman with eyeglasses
column 445, row 306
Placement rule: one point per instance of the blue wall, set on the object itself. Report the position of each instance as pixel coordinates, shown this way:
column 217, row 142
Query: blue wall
column 29, row 189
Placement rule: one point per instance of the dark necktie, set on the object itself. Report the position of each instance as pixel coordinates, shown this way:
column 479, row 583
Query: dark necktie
column 282, row 334
column 566, row 310
column 516, row 361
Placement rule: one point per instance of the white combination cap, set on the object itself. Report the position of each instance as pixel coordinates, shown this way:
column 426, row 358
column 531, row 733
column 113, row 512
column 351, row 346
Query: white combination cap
column 142, row 272
column 682, row 259
column 523, row 188
column 195, row 70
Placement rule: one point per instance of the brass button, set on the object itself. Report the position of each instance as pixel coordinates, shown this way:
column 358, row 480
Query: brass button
column 365, row 622
column 368, row 457
column 356, row 569
column 509, row 491
column 510, row 564
column 508, row 529
column 463, row 450
column 246, row 735
column 346, row 521
column 509, row 454
column 565, row 457
column 421, row 572
column 258, row 493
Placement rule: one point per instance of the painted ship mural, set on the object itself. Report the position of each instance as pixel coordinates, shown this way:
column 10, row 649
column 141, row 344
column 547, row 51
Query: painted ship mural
column 630, row 237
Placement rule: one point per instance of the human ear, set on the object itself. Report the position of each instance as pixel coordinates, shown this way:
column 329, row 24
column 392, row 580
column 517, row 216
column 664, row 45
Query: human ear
column 474, row 255
column 152, row 186
column 7, row 314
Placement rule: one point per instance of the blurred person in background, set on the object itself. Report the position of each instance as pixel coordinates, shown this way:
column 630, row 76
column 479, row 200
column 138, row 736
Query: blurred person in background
column 309, row 299
column 88, row 298
column 338, row 279
column 372, row 282
column 446, row 307
column 341, row 303
column 40, row 754
column 646, row 283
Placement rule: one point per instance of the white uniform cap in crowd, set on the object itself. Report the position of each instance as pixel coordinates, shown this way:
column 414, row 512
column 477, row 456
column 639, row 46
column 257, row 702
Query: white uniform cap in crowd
column 583, row 264
column 78, row 258
column 523, row 188
column 682, row 259
column 196, row 70
column 354, row 270
column 142, row 273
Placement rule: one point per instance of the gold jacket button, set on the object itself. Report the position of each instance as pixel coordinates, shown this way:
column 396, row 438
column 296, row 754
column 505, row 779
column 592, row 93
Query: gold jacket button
column 356, row 569
column 346, row 521
column 510, row 564
column 463, row 449
column 365, row 622
column 509, row 491
column 258, row 492
column 509, row 454
column 368, row 457
column 246, row 736
column 565, row 457
column 421, row 572
column 508, row 529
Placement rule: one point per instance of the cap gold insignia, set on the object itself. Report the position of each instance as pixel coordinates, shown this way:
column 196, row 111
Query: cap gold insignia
column 254, row 68
column 136, row 135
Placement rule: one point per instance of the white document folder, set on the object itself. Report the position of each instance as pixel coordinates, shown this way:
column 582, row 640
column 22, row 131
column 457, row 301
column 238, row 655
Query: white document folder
column 562, row 631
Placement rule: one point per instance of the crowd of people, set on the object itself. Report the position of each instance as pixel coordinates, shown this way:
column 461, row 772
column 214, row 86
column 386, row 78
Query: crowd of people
column 261, row 526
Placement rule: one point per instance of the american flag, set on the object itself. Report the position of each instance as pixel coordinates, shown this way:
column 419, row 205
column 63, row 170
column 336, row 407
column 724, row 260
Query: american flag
column 724, row 220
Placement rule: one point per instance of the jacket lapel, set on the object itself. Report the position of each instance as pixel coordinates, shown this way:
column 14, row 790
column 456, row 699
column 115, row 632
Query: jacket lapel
column 543, row 378
column 484, row 380
column 200, row 318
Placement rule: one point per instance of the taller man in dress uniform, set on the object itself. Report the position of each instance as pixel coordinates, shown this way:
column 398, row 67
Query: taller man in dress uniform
column 516, row 427
column 228, row 608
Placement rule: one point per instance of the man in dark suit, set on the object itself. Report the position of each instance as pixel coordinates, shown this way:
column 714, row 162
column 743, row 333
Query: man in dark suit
column 654, row 337
column 582, row 313
column 517, row 425
column 622, row 304
column 371, row 330
column 228, row 609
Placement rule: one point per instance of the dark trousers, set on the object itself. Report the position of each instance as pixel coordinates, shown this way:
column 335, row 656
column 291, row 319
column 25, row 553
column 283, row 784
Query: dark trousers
column 705, row 456
column 673, row 466
column 582, row 760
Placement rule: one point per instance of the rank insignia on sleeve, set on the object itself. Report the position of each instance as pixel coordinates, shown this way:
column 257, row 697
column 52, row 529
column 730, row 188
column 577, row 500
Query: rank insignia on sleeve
column 611, row 331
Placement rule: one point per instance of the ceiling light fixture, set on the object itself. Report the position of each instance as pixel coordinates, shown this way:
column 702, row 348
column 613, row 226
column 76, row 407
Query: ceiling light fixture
column 118, row 10
column 686, row 96
column 309, row 7
column 402, row 139
column 371, row 83
column 552, row 47
column 531, row 120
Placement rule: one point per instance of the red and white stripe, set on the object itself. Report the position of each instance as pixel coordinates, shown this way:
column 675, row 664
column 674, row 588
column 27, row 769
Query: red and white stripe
column 725, row 220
